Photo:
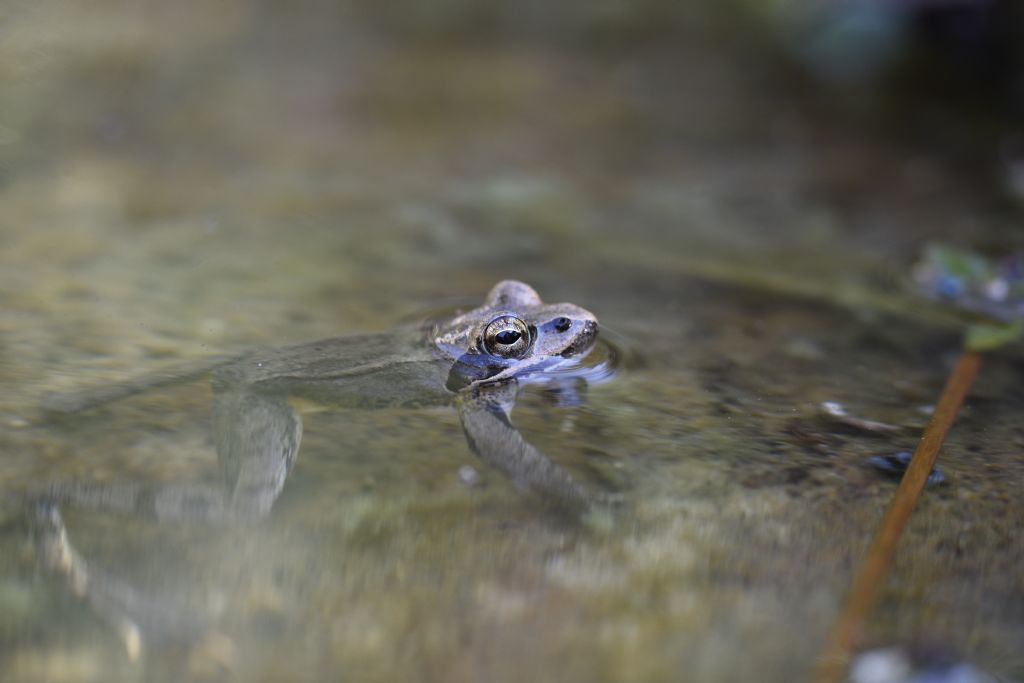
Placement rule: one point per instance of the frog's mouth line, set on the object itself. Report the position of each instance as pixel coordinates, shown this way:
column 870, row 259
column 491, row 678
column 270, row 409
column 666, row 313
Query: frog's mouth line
column 598, row 363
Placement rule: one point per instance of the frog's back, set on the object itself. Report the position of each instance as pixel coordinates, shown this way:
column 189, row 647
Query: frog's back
column 389, row 369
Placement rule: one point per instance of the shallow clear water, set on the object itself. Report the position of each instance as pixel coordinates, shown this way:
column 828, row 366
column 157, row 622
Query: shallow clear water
column 183, row 182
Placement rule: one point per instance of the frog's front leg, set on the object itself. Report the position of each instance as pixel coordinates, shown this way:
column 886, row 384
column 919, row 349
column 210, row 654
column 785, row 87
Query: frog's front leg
column 484, row 411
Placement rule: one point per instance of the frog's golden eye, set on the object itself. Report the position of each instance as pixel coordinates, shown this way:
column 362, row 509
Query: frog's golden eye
column 507, row 336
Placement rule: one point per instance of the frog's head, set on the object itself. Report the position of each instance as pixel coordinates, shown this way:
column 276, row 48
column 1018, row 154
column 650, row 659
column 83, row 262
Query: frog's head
column 514, row 335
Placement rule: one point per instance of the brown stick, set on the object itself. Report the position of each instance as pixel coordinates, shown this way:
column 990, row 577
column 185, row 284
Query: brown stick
column 867, row 582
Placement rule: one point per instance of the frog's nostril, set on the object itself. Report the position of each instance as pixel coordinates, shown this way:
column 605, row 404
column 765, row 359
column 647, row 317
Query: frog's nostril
column 563, row 324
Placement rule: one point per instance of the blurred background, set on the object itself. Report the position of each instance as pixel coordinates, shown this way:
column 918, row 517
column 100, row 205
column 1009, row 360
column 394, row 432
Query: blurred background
column 421, row 149
column 738, row 190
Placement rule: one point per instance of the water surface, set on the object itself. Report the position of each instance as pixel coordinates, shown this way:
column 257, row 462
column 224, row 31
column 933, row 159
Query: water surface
column 182, row 182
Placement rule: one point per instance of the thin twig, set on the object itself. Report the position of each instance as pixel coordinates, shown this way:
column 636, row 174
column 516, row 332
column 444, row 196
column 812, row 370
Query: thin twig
column 867, row 583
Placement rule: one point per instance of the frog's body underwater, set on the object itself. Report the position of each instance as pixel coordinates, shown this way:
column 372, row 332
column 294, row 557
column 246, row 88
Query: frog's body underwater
column 475, row 360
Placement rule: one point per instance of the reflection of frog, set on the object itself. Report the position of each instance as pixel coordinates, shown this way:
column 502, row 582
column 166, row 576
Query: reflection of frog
column 475, row 360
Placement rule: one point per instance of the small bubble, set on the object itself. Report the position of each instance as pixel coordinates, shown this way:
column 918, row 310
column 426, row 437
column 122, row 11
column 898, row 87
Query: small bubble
column 468, row 475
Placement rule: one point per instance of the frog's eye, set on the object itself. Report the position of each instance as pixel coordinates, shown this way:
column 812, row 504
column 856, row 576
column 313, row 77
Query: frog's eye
column 507, row 336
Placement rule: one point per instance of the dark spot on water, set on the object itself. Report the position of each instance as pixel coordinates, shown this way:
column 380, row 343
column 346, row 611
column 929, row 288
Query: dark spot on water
column 795, row 475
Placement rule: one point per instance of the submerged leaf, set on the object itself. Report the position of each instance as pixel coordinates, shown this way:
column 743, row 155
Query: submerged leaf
column 956, row 262
column 986, row 337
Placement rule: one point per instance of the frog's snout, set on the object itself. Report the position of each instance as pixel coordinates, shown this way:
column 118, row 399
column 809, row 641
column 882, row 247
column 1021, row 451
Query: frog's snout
column 583, row 341
column 589, row 331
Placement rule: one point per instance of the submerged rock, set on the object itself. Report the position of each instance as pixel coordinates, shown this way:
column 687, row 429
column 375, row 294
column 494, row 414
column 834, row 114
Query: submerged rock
column 897, row 665
column 896, row 464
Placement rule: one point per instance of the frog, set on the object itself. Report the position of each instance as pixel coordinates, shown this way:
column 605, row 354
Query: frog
column 477, row 361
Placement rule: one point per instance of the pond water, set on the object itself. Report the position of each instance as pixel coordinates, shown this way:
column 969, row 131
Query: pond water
column 186, row 180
